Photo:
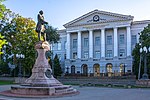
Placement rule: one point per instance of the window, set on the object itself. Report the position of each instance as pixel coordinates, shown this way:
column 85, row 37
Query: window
column 86, row 42
column 75, row 55
column 59, row 46
column 109, row 68
column 97, row 54
column 74, row 43
column 121, row 52
column 109, row 53
column 133, row 39
column 65, row 56
column 109, row 40
column 65, row 44
column 97, row 41
column 121, row 68
column 121, row 39
column 86, row 54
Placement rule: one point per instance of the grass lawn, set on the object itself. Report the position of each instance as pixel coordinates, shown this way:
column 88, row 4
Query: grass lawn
column 6, row 82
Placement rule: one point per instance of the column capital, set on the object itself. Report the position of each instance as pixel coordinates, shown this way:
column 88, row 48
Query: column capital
column 128, row 26
column 71, row 31
column 90, row 29
column 115, row 27
column 102, row 29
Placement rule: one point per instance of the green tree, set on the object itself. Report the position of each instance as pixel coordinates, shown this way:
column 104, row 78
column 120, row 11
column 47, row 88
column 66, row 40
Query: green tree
column 51, row 34
column 144, row 40
column 2, row 15
column 2, row 8
column 21, row 35
column 2, row 42
column 57, row 67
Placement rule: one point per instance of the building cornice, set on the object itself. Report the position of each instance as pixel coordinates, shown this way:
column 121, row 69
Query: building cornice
column 94, row 23
column 141, row 22
column 125, row 17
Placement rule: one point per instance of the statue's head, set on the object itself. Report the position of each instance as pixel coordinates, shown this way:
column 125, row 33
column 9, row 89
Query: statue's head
column 41, row 12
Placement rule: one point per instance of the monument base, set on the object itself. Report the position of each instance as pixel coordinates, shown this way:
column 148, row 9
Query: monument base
column 41, row 83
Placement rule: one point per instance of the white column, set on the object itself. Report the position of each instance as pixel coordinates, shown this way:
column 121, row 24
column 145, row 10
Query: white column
column 79, row 45
column 128, row 41
column 115, row 42
column 90, row 43
column 68, row 46
column 102, row 42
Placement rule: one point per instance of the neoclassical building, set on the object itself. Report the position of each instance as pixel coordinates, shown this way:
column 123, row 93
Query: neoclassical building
column 99, row 43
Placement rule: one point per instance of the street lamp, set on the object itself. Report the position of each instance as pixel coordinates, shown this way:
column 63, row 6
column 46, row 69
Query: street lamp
column 139, row 73
column 4, row 53
column 20, row 56
column 124, row 69
column 52, row 58
column 67, row 70
column 145, row 50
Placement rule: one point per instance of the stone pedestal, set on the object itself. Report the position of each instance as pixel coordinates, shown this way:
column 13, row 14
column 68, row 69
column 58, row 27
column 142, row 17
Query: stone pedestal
column 41, row 72
column 41, row 83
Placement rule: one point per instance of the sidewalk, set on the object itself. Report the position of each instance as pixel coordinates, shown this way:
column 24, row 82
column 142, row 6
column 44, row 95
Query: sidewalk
column 93, row 93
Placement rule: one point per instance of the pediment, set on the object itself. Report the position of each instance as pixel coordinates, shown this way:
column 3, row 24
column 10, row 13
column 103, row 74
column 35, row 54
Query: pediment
column 97, row 16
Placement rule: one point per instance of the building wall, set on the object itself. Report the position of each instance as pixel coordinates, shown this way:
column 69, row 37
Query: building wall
column 115, row 62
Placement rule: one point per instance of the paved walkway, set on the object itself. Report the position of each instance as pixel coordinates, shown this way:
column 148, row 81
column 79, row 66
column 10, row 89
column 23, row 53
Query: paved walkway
column 94, row 93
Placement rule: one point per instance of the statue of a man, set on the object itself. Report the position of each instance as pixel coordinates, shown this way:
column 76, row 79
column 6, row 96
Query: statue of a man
column 40, row 27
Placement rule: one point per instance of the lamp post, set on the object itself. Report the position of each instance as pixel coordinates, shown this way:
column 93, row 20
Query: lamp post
column 4, row 53
column 139, row 73
column 67, row 70
column 20, row 56
column 52, row 59
column 145, row 50
column 124, row 69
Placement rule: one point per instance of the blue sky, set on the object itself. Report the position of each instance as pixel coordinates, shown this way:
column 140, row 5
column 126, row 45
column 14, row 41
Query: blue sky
column 59, row 12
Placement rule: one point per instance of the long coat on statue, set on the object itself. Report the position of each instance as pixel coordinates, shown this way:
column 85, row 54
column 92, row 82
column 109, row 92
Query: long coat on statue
column 40, row 25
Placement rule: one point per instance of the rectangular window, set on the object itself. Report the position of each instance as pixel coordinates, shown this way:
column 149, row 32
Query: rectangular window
column 97, row 41
column 121, row 52
column 59, row 45
column 65, row 44
column 86, row 54
column 86, row 42
column 75, row 55
column 133, row 39
column 109, row 53
column 121, row 39
column 74, row 43
column 109, row 40
column 64, row 56
column 97, row 54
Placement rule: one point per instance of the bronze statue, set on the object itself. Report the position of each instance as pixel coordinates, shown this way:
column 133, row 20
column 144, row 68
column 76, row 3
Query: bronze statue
column 41, row 26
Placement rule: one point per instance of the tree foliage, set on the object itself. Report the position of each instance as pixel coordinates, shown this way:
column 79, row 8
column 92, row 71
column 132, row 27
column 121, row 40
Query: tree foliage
column 2, row 42
column 2, row 8
column 2, row 15
column 51, row 34
column 21, row 36
column 57, row 67
column 144, row 40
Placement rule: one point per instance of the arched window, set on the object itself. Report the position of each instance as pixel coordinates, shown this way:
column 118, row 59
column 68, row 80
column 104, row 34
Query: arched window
column 85, row 69
column 109, row 69
column 72, row 69
column 96, row 70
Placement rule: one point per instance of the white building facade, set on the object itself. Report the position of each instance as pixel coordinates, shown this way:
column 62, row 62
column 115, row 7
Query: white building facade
column 99, row 43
